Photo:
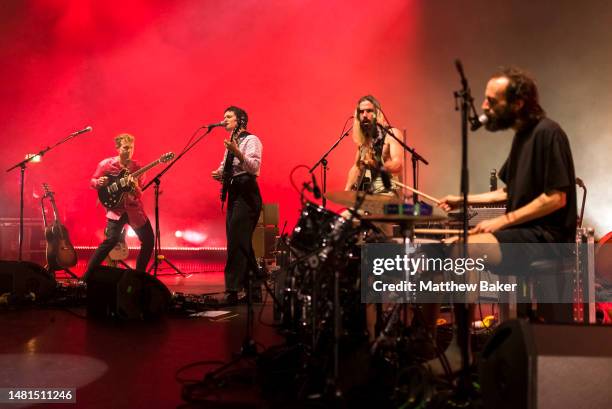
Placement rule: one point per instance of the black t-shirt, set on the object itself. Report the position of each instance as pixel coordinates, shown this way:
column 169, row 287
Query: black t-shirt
column 540, row 161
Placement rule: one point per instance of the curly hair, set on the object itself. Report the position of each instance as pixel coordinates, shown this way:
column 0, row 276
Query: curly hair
column 119, row 139
column 241, row 116
column 521, row 86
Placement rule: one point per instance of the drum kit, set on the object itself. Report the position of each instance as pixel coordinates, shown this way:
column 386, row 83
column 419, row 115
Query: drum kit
column 321, row 300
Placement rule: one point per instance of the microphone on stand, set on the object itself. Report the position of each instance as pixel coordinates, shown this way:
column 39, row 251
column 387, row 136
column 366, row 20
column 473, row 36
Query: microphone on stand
column 222, row 123
column 478, row 122
column 88, row 129
column 316, row 190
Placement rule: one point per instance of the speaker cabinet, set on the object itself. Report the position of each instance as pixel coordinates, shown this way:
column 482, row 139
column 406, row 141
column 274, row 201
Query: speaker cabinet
column 125, row 294
column 23, row 278
column 34, row 242
column 264, row 239
column 542, row 366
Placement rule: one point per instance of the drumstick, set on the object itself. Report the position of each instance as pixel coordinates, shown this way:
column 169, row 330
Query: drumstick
column 438, row 231
column 413, row 190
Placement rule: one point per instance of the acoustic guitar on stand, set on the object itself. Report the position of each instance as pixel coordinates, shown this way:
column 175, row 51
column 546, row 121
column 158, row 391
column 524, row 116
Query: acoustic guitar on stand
column 60, row 253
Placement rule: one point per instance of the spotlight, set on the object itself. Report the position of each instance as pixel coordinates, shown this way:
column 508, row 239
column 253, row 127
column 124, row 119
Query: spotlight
column 36, row 158
column 131, row 232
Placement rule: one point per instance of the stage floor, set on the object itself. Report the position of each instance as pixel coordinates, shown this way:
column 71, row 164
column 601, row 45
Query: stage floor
column 120, row 364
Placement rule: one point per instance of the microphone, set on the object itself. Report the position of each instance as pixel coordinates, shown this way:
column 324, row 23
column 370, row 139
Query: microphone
column 222, row 123
column 88, row 129
column 478, row 122
column 316, row 191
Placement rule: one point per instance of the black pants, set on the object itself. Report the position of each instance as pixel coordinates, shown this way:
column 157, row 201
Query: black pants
column 243, row 208
column 113, row 235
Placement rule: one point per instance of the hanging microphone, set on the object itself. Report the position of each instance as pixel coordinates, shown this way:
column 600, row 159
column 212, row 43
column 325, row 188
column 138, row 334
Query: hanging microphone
column 222, row 123
column 316, row 191
column 478, row 122
column 88, row 129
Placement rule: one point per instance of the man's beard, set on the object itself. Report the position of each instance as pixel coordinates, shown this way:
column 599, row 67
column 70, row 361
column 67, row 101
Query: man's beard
column 501, row 121
column 368, row 128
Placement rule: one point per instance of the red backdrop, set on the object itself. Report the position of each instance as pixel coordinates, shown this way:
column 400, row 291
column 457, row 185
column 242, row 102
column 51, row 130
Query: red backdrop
column 160, row 69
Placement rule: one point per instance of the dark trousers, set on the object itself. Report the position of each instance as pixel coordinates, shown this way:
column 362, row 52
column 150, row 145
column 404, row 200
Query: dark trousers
column 243, row 208
column 113, row 235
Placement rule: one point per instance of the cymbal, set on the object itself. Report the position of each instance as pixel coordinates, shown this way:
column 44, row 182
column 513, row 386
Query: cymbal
column 403, row 218
column 349, row 197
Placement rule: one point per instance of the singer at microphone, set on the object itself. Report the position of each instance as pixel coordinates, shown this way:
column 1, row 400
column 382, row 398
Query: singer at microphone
column 378, row 161
column 375, row 150
column 238, row 174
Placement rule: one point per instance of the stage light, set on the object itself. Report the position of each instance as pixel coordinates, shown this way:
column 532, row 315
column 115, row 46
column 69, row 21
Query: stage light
column 191, row 236
column 36, row 158
column 131, row 232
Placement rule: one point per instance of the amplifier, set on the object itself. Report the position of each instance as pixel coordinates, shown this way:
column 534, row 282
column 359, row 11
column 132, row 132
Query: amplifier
column 34, row 243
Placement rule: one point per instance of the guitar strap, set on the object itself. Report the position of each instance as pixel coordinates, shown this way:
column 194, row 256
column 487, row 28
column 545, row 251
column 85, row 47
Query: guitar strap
column 228, row 169
column 375, row 145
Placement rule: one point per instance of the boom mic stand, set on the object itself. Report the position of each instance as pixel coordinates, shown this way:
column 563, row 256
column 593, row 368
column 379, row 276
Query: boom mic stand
column 22, row 165
column 158, row 258
column 415, row 159
column 323, row 161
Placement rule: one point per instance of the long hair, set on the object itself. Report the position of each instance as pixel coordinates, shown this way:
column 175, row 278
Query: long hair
column 521, row 86
column 358, row 136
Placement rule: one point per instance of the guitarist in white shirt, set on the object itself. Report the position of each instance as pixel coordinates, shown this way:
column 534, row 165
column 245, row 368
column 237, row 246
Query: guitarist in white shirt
column 238, row 174
column 129, row 210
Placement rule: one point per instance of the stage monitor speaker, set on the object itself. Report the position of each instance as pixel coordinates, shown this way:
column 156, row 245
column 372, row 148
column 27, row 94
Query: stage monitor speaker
column 125, row 294
column 23, row 278
column 544, row 366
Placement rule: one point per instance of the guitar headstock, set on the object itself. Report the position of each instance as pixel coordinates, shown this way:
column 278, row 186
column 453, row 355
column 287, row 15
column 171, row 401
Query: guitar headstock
column 47, row 189
column 166, row 157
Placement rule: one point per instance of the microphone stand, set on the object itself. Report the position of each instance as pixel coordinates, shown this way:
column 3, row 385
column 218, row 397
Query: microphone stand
column 464, row 389
column 323, row 161
column 22, row 166
column 158, row 258
column 415, row 158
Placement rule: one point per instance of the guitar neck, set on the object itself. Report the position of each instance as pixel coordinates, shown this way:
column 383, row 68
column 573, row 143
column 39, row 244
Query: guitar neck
column 145, row 168
column 54, row 207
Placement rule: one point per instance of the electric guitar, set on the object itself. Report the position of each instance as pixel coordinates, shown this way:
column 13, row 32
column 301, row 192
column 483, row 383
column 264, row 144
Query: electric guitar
column 375, row 152
column 60, row 253
column 226, row 176
column 112, row 194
